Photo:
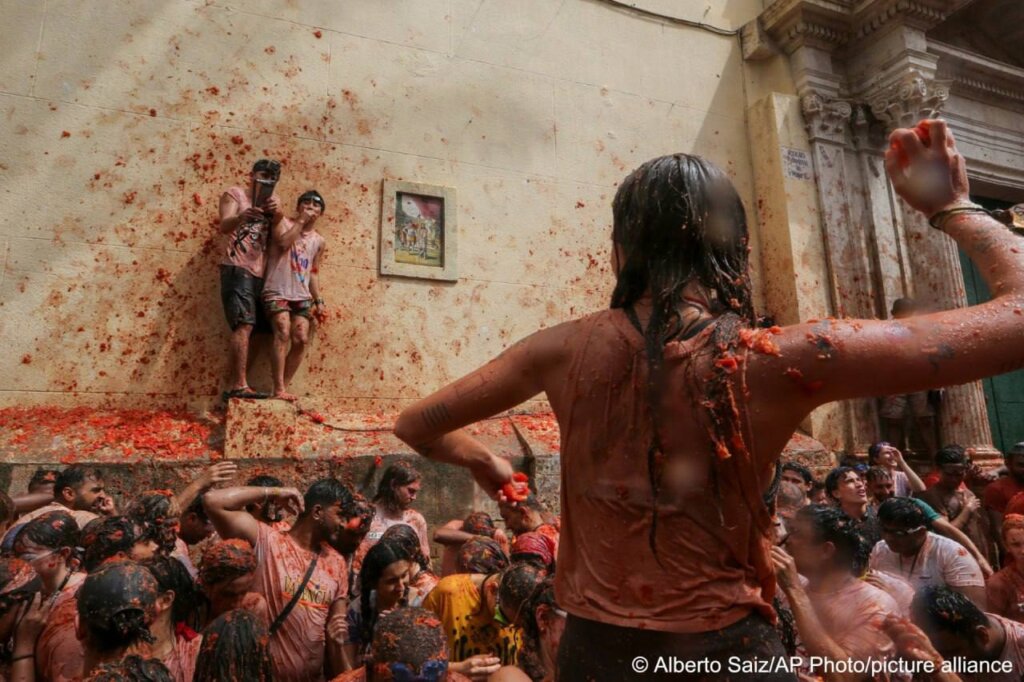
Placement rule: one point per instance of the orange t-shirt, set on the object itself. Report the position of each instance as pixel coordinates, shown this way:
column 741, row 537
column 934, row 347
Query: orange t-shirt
column 714, row 566
column 59, row 653
column 298, row 648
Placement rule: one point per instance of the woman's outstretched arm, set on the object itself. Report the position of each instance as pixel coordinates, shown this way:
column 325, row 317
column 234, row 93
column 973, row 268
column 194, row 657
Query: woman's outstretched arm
column 831, row 360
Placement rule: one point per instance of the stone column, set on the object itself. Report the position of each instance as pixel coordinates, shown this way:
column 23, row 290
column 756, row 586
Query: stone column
column 937, row 278
column 847, row 245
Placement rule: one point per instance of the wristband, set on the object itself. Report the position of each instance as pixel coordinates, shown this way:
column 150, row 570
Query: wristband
column 939, row 218
column 318, row 301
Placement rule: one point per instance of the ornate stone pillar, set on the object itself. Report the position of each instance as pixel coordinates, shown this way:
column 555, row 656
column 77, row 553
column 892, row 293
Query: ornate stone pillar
column 847, row 245
column 934, row 260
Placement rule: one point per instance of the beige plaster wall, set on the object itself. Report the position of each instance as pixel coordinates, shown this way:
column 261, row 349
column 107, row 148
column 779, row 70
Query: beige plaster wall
column 122, row 122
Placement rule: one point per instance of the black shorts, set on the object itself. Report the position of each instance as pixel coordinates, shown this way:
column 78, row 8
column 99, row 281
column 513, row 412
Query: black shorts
column 240, row 294
column 592, row 651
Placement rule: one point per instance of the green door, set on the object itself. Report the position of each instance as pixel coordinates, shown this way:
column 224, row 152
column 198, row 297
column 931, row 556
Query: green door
column 1004, row 394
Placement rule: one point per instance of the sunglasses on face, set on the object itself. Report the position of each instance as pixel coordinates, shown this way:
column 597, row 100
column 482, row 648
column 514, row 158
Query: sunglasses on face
column 901, row 533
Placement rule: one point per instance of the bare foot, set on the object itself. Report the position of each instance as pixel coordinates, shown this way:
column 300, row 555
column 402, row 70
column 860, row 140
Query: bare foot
column 285, row 395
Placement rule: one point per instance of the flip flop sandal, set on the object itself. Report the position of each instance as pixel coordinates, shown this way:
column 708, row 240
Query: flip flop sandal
column 245, row 392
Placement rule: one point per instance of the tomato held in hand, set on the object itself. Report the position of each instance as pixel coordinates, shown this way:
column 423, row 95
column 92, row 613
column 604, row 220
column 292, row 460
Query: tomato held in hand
column 517, row 490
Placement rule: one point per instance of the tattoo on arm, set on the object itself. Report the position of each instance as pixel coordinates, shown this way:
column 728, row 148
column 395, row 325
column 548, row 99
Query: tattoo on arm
column 436, row 415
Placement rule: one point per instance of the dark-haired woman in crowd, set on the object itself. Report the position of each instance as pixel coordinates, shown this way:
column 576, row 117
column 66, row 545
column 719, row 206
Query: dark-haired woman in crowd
column 542, row 623
column 114, row 538
column 397, row 490
column 116, row 607
column 175, row 642
column 157, row 514
column 50, row 544
column 421, row 579
column 383, row 581
column 235, row 648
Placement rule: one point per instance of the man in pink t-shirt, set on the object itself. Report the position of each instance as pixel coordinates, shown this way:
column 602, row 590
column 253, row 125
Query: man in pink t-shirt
column 247, row 228
column 306, row 641
column 291, row 292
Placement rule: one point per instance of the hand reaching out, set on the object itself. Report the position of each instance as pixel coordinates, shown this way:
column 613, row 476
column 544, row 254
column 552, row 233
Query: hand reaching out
column 220, row 472
column 925, row 167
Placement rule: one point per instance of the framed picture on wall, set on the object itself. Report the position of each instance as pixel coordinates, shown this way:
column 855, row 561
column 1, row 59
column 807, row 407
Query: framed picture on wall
column 418, row 234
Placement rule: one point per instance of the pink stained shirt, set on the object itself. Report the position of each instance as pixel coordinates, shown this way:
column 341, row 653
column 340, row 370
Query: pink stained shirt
column 289, row 270
column 59, row 653
column 298, row 648
column 182, row 660
column 246, row 246
column 410, row 517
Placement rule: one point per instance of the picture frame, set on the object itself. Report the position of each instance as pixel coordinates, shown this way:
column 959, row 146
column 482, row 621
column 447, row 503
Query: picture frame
column 418, row 231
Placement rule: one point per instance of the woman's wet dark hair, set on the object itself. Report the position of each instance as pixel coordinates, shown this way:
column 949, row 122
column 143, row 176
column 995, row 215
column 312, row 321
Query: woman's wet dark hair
column 115, row 606
column 830, row 524
column 154, row 511
column 397, row 474
column 53, row 530
column 235, row 647
column 380, row 556
column 677, row 220
column 105, row 538
column 172, row 575
column 518, row 585
column 405, row 537
column 481, row 555
column 530, row 655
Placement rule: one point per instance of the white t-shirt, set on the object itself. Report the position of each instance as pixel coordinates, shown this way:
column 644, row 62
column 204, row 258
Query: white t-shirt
column 901, row 484
column 940, row 561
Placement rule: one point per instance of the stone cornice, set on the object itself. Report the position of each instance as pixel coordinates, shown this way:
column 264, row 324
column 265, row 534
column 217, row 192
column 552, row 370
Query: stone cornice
column 831, row 24
column 823, row 24
column 981, row 78
column 874, row 15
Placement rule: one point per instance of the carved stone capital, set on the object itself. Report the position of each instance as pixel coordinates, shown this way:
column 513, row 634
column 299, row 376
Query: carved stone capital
column 909, row 100
column 825, row 118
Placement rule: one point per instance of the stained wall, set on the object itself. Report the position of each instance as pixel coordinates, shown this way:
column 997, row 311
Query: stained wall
column 122, row 122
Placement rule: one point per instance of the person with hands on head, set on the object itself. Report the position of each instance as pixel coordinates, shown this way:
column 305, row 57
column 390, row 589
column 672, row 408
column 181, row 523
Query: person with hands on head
column 305, row 560
column 701, row 394
column 291, row 292
column 904, row 478
column 837, row 615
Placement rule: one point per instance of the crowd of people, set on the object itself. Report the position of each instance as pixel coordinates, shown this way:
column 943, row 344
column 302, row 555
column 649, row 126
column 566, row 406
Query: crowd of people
column 262, row 582
column 682, row 537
